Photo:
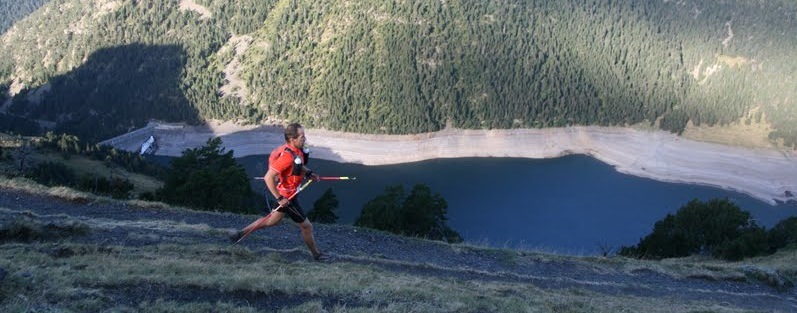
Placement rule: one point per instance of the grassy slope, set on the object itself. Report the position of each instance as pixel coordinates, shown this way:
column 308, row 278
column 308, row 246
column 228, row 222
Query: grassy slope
column 81, row 166
column 77, row 277
column 54, row 272
column 85, row 166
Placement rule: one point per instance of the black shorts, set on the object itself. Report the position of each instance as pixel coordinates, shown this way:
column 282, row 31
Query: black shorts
column 294, row 211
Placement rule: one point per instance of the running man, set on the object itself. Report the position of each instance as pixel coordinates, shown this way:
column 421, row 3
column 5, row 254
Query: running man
column 286, row 171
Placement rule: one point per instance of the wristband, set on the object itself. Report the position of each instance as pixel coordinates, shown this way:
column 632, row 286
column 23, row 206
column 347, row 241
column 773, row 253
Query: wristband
column 280, row 198
column 308, row 174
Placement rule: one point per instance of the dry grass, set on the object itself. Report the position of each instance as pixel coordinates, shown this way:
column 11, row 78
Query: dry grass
column 30, row 186
column 26, row 229
column 68, row 276
column 54, row 274
column 755, row 135
column 732, row 62
column 778, row 270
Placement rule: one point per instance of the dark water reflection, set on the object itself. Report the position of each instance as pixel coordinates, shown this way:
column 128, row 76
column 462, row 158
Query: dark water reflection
column 573, row 204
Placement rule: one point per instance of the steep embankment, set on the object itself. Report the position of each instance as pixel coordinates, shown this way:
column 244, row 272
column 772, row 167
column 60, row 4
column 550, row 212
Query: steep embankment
column 762, row 173
column 131, row 256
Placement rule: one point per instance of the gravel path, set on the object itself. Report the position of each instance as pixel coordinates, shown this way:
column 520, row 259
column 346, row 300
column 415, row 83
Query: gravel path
column 112, row 223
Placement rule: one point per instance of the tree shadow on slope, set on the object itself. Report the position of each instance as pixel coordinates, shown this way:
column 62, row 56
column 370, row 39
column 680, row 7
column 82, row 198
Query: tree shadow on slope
column 115, row 90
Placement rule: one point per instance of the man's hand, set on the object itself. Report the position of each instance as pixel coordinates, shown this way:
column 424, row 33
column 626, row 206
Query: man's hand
column 312, row 175
column 282, row 201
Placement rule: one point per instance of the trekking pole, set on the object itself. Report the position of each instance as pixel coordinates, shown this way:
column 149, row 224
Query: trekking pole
column 263, row 219
column 336, row 178
column 324, row 178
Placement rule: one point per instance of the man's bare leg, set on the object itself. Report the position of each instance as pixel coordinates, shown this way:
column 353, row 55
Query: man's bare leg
column 307, row 234
column 269, row 220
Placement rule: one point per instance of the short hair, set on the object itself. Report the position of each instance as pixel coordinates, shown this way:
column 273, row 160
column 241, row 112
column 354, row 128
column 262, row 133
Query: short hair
column 292, row 131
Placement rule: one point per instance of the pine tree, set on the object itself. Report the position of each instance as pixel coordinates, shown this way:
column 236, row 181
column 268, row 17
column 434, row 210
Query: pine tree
column 324, row 207
column 208, row 178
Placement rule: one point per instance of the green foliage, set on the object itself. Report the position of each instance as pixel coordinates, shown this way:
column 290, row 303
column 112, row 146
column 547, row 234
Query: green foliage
column 752, row 241
column 95, row 103
column 421, row 213
column 783, row 234
column 324, row 208
column 407, row 67
column 208, row 178
column 14, row 10
column 69, row 145
column 17, row 125
column 52, row 174
column 384, row 211
column 717, row 227
column 115, row 187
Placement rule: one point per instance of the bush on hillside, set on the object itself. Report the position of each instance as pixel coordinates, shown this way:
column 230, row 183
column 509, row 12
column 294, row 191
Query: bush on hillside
column 52, row 174
column 208, row 178
column 717, row 227
column 783, row 234
column 324, row 208
column 751, row 242
column 114, row 187
column 421, row 213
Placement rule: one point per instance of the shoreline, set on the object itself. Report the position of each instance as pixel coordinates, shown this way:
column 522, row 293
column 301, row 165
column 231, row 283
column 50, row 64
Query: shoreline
column 765, row 174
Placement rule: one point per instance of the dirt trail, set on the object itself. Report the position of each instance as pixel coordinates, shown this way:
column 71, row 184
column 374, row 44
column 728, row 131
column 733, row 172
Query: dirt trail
column 113, row 223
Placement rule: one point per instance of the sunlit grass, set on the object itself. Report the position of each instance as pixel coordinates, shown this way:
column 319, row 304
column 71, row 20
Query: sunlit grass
column 31, row 186
column 39, row 275
column 67, row 193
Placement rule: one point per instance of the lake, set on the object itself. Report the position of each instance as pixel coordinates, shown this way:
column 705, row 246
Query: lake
column 571, row 205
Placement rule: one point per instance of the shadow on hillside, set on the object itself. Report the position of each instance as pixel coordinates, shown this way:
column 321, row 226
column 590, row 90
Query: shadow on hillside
column 117, row 89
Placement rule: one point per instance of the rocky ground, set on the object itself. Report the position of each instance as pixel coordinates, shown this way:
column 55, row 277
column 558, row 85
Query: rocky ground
column 112, row 224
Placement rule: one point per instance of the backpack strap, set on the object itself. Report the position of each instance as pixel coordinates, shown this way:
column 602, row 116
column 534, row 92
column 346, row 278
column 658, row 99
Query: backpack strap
column 297, row 166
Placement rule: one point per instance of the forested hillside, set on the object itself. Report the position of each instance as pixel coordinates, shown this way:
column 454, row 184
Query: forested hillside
column 98, row 68
column 14, row 10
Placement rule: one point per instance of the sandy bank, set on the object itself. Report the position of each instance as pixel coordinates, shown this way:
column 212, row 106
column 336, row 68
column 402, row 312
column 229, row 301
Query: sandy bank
column 768, row 175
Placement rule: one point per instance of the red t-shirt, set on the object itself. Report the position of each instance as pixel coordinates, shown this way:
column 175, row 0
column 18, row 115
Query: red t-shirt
column 282, row 162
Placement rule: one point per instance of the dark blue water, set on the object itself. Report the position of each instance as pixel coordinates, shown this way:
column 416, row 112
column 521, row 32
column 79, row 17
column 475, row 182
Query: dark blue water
column 574, row 204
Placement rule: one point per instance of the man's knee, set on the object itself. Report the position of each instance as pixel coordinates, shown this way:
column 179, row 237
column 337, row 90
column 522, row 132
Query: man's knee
column 306, row 225
column 274, row 218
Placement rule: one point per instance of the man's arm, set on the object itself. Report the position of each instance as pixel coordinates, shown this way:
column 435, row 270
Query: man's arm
column 308, row 173
column 271, row 183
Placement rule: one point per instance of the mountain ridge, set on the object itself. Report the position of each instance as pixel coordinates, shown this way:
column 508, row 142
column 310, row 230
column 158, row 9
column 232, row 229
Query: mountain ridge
column 373, row 67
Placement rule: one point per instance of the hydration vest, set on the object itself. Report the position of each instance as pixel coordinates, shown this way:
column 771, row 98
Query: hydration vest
column 298, row 161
